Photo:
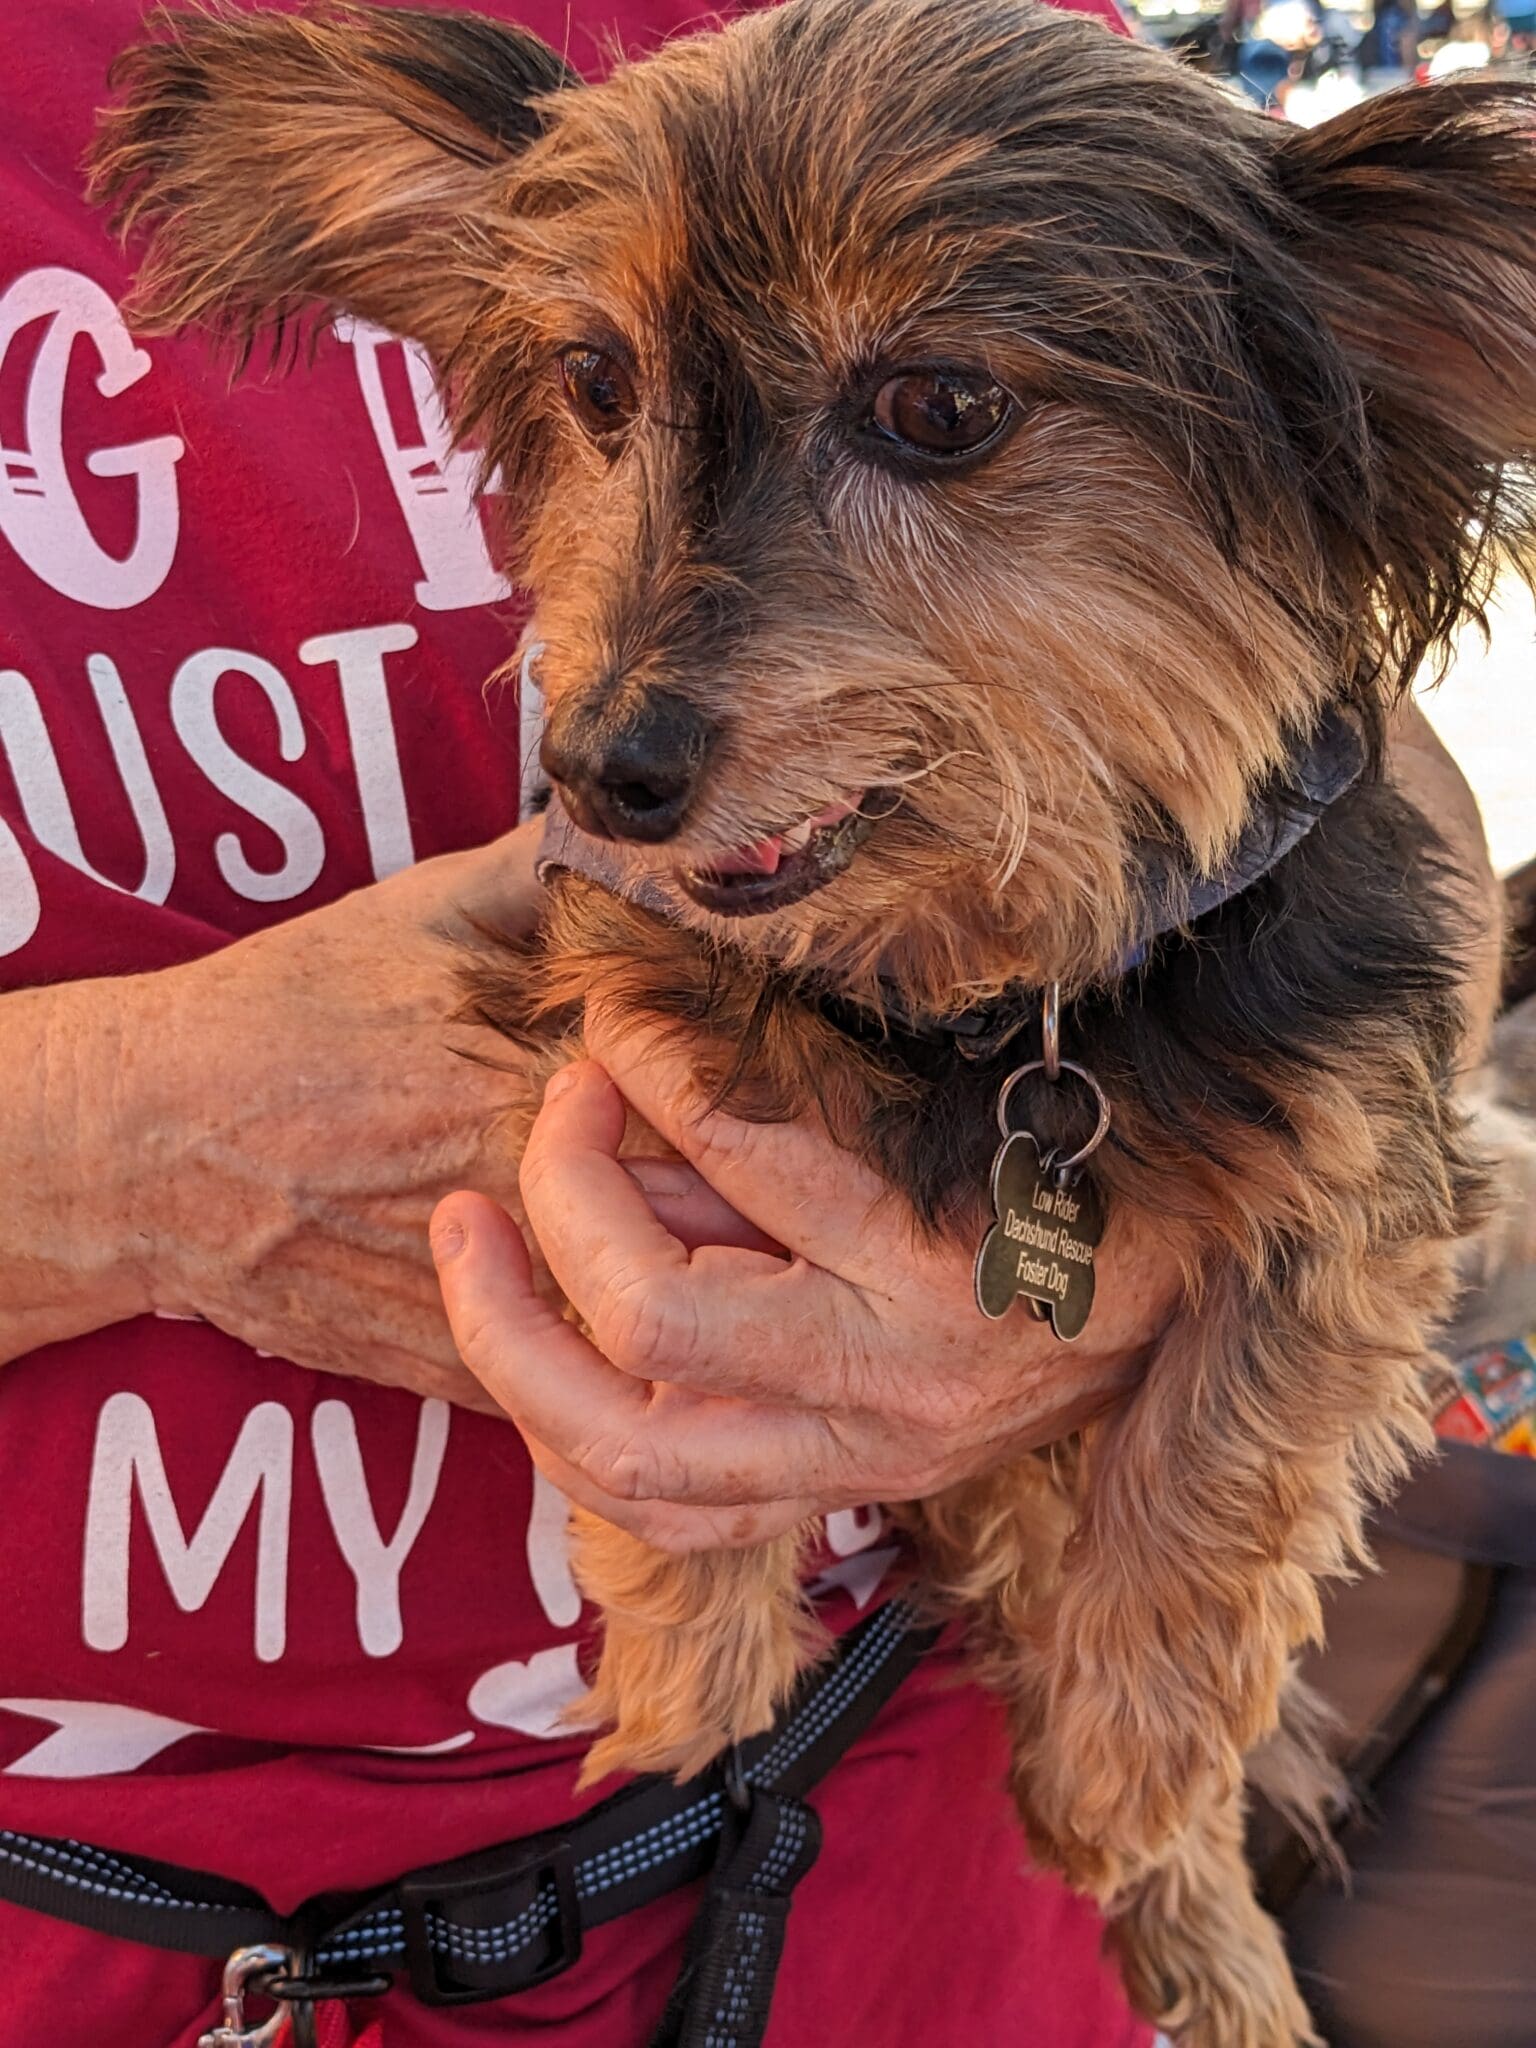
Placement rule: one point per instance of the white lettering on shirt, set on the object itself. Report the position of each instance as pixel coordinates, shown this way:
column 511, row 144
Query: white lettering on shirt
column 854, row 1529
column 43, row 315
column 549, row 1554
column 533, row 1696
column 859, row 1568
column 127, row 1461
column 93, row 1739
column 40, row 514
column 374, row 1564
column 434, row 483
column 359, row 659
column 21, row 908
column 295, row 825
column 45, row 803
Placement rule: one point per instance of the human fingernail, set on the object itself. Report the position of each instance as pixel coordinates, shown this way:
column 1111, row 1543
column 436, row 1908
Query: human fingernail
column 561, row 1083
column 447, row 1236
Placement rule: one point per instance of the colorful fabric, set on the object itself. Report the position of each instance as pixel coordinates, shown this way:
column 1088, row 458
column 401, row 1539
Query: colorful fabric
column 1489, row 1398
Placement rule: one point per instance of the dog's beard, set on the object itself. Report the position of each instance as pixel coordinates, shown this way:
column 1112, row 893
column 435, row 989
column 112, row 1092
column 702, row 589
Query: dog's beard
column 942, row 780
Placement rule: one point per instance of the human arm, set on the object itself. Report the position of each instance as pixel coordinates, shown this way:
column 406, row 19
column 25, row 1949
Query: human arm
column 1428, row 776
column 258, row 1137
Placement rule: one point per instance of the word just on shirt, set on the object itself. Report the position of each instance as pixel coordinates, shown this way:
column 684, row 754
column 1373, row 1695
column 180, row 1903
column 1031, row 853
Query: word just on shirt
column 48, row 317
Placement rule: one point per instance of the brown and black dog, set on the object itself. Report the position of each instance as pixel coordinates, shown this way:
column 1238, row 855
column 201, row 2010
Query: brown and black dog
column 960, row 459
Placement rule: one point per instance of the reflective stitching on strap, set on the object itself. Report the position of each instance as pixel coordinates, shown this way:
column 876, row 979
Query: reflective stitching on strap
column 674, row 1836
column 110, row 1865
column 380, row 1935
column 780, row 1860
column 735, row 2007
column 498, row 1944
column 836, row 1696
column 377, row 1939
column 47, row 1860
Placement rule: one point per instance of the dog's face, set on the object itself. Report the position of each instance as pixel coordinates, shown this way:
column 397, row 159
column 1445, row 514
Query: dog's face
column 940, row 437
column 876, row 613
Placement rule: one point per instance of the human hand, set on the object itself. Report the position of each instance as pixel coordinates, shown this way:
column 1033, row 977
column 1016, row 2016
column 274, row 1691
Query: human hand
column 292, row 1107
column 729, row 1388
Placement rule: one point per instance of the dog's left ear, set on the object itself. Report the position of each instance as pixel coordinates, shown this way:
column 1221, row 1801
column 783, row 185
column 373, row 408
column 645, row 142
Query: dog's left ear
column 344, row 158
column 1414, row 219
column 1417, row 213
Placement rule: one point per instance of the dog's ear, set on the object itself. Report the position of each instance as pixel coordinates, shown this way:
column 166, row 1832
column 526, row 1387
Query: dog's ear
column 1414, row 216
column 345, row 159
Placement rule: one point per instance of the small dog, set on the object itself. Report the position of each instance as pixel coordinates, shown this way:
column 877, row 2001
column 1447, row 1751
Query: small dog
column 963, row 460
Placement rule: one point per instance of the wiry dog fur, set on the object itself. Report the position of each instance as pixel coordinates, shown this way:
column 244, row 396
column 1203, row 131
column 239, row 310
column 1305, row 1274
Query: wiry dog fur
column 1268, row 388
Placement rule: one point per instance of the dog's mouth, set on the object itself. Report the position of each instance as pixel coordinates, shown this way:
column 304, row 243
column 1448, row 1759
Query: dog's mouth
column 785, row 866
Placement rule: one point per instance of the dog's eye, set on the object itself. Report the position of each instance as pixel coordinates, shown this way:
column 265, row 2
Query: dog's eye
column 941, row 412
column 599, row 389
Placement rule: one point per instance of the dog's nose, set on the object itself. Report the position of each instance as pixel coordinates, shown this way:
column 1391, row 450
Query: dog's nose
column 633, row 781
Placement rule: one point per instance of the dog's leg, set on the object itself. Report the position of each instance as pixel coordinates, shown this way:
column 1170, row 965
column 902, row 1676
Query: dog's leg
column 1201, row 1957
column 1213, row 1502
column 698, row 1652
column 991, row 1551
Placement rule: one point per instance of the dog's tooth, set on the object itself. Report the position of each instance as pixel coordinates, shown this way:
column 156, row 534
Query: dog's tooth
column 836, row 812
column 794, row 841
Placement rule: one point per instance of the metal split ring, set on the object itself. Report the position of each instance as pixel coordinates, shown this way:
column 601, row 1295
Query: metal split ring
column 1101, row 1100
column 1050, row 1031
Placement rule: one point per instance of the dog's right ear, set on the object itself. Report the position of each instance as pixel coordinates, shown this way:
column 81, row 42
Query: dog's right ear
column 345, row 159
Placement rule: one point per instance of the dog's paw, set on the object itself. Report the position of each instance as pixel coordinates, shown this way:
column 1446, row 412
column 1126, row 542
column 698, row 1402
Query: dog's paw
column 672, row 1752
column 698, row 1653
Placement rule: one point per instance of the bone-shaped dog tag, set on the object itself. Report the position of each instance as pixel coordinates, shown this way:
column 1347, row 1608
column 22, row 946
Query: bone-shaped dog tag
column 1040, row 1247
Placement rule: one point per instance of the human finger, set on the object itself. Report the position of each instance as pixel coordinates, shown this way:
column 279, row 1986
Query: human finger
column 790, row 1179
column 666, row 1525
column 719, row 1318
column 631, row 1440
column 690, row 1209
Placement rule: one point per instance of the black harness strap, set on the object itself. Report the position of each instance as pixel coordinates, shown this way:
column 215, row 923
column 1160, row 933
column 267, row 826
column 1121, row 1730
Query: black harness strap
column 490, row 1925
column 722, row 1997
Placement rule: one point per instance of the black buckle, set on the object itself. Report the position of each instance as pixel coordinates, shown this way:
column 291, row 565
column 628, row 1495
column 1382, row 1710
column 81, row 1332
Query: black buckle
column 500, row 1884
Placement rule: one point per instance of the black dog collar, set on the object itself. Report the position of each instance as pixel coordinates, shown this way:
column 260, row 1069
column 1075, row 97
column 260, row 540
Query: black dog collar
column 1327, row 764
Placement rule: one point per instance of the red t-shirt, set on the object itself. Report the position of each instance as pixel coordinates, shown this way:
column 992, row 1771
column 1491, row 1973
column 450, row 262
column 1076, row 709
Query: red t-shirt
column 302, row 1631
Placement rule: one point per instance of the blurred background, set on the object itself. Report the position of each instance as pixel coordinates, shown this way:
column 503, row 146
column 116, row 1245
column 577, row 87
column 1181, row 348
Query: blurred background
column 1485, row 711
column 1307, row 59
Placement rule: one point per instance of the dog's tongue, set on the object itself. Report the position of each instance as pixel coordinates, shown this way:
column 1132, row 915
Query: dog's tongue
column 765, row 856
column 760, row 858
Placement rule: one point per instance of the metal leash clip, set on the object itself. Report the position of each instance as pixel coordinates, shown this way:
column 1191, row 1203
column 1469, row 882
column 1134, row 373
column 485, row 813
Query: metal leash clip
column 265, row 1959
column 279, row 1973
